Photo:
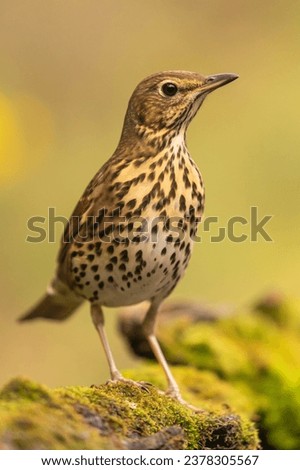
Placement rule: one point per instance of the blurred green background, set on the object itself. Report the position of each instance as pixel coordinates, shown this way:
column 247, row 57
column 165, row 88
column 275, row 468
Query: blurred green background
column 67, row 70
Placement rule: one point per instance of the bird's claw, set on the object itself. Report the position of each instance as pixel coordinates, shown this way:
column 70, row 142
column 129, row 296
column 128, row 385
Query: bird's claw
column 144, row 386
column 174, row 393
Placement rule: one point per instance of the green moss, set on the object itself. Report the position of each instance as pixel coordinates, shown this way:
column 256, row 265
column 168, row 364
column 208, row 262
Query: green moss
column 203, row 389
column 236, row 370
column 23, row 389
column 112, row 416
column 33, row 417
column 257, row 354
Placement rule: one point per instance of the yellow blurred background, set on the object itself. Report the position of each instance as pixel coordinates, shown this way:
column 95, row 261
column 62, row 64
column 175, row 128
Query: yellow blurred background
column 67, row 69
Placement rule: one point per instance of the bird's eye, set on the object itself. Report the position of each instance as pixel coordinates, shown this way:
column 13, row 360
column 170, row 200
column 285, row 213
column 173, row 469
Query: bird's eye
column 169, row 89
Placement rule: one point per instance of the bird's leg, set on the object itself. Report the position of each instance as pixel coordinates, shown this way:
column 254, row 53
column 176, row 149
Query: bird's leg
column 115, row 374
column 98, row 320
column 149, row 331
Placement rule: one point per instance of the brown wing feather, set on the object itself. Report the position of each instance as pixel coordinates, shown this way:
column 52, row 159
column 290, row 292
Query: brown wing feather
column 98, row 195
column 95, row 190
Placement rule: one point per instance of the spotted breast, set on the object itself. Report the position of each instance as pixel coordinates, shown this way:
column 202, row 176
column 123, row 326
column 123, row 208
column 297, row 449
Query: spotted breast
column 137, row 246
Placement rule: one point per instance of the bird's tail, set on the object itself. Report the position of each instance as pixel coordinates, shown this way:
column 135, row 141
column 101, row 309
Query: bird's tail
column 58, row 303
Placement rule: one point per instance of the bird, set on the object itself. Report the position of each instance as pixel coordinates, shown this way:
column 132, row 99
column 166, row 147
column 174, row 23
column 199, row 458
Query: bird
column 130, row 237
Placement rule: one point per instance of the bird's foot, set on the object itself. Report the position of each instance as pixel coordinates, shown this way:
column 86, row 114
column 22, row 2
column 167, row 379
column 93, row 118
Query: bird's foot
column 175, row 393
column 144, row 386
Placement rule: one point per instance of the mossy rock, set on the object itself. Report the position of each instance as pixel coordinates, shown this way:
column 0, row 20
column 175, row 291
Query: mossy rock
column 255, row 352
column 115, row 416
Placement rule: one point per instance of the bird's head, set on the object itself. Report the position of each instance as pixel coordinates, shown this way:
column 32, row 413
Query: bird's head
column 169, row 100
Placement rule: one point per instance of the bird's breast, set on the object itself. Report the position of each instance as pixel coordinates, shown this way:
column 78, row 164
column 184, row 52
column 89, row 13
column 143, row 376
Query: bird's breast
column 142, row 250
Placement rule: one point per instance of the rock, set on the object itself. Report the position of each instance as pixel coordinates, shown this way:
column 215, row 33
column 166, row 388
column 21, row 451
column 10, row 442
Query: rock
column 113, row 416
column 254, row 352
column 241, row 369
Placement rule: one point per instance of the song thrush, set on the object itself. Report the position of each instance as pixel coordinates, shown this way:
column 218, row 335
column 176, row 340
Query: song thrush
column 130, row 236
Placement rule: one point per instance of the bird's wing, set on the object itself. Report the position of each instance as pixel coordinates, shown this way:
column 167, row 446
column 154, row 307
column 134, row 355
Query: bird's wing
column 100, row 199
column 84, row 208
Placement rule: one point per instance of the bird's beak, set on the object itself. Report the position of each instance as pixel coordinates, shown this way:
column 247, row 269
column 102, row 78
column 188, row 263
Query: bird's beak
column 213, row 82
